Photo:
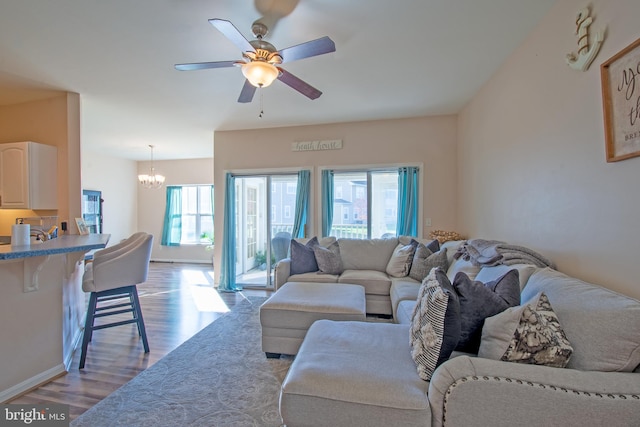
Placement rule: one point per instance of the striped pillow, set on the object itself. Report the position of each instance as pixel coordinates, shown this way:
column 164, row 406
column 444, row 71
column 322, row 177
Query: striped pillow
column 435, row 324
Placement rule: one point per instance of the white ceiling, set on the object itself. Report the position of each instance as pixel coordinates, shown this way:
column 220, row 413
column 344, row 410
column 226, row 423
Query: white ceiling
column 393, row 59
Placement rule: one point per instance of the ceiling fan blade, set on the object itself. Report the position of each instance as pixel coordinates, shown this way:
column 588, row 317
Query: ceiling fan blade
column 204, row 65
column 248, row 90
column 232, row 33
column 294, row 82
column 305, row 50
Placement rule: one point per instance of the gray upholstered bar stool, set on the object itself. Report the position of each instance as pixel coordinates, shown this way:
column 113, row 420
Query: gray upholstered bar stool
column 112, row 278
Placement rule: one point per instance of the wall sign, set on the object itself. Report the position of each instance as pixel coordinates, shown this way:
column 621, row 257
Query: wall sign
column 620, row 77
column 330, row 144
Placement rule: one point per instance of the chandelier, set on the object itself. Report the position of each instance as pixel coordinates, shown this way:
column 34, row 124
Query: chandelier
column 152, row 180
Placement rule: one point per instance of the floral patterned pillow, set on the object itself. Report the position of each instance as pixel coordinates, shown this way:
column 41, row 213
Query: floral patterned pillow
column 435, row 324
column 530, row 333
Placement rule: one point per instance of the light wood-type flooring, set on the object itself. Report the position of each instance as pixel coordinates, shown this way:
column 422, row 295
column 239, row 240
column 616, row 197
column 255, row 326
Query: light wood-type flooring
column 178, row 300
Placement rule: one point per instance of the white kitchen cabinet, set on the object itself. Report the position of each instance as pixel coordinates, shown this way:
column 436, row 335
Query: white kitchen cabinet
column 28, row 176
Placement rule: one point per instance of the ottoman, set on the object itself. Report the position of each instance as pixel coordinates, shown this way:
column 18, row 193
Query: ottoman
column 287, row 315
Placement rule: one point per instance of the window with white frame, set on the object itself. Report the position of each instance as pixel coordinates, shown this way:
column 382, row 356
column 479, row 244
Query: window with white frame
column 197, row 214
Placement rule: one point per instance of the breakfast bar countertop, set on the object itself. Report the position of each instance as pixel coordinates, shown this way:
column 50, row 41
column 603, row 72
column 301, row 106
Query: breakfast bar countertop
column 62, row 244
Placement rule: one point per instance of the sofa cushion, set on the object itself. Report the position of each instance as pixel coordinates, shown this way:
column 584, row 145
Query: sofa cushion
column 366, row 254
column 435, row 324
column 328, row 259
column 374, row 282
column 404, row 312
column 424, row 260
column 400, row 262
column 303, row 259
column 313, row 277
column 602, row 326
column 529, row 333
column 481, row 300
column 402, row 288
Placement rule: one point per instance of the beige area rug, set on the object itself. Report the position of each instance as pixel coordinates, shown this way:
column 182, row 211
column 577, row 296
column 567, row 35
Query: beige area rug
column 219, row 377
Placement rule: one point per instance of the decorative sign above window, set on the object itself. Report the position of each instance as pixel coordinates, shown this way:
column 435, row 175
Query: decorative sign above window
column 330, row 144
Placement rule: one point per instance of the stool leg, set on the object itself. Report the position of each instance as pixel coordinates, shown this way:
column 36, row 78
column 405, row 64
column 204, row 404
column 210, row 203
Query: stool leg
column 138, row 315
column 88, row 327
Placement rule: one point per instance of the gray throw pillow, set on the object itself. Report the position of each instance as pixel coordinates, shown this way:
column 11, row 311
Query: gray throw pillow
column 435, row 323
column 481, row 300
column 303, row 259
column 424, row 260
column 328, row 259
column 433, row 246
column 400, row 262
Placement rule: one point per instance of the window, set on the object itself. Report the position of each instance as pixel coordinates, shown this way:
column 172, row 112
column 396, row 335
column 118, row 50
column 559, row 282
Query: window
column 365, row 203
column 197, row 214
column 291, row 188
column 287, row 211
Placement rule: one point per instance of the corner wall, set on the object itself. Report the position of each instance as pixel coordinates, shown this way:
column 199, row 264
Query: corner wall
column 531, row 157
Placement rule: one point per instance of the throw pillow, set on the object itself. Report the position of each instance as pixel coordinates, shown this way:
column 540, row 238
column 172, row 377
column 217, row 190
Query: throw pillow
column 481, row 300
column 303, row 259
column 435, row 324
column 530, row 333
column 424, row 260
column 328, row 259
column 401, row 259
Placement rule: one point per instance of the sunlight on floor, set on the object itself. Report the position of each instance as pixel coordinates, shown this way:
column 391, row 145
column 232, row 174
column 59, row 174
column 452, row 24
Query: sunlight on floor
column 207, row 299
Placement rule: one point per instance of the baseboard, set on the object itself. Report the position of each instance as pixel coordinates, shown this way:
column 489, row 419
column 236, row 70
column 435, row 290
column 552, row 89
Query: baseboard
column 179, row 261
column 32, row 383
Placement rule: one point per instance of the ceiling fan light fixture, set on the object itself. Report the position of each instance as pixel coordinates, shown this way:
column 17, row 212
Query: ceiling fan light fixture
column 260, row 73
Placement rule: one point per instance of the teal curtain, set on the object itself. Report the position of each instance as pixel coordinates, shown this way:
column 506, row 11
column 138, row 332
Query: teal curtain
column 228, row 268
column 407, row 201
column 172, row 227
column 327, row 201
column 302, row 203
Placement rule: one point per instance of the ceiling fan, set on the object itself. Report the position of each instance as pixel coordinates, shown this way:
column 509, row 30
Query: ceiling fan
column 261, row 60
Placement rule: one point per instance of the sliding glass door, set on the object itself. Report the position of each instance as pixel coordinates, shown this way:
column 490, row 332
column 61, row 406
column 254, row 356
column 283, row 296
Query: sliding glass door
column 265, row 208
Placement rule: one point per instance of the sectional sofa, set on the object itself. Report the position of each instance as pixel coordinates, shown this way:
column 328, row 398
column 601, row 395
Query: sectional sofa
column 363, row 373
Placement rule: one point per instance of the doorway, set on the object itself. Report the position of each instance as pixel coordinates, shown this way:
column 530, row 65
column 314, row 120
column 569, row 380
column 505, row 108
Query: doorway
column 265, row 209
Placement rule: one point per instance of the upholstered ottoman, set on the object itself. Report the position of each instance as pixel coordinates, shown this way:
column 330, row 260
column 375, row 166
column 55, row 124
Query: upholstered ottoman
column 356, row 374
column 287, row 315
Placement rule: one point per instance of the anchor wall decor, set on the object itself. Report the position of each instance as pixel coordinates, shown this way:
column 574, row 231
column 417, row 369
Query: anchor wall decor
column 586, row 53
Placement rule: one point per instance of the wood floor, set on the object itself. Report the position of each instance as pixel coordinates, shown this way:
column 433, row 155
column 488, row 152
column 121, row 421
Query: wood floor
column 178, row 300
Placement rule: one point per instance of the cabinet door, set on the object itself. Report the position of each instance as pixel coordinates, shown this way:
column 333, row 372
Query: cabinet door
column 14, row 177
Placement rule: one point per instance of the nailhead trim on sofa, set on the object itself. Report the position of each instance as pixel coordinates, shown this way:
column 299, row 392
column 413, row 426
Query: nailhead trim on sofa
column 532, row 384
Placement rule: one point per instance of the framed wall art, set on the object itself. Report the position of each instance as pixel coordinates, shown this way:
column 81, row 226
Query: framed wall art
column 620, row 76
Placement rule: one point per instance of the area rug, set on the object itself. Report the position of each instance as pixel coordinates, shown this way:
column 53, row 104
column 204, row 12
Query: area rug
column 219, row 377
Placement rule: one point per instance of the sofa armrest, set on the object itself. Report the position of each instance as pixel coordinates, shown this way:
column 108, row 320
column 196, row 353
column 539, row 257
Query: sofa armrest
column 282, row 273
column 470, row 391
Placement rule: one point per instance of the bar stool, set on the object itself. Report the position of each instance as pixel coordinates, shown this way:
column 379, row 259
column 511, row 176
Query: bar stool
column 113, row 275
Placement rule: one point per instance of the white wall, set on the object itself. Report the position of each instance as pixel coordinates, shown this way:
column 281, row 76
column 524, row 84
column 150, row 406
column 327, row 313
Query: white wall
column 430, row 141
column 118, row 180
column 152, row 203
column 531, row 156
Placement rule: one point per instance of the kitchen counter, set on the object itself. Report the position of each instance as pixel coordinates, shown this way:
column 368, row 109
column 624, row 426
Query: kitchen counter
column 60, row 245
column 42, row 309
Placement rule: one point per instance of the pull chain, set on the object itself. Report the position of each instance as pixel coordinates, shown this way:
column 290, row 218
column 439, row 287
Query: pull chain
column 261, row 104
